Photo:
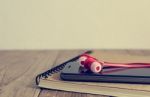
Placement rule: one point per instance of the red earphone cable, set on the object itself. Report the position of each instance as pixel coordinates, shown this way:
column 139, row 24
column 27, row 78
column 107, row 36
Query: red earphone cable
column 128, row 65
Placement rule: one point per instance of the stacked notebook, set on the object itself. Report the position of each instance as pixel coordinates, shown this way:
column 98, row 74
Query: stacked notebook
column 51, row 79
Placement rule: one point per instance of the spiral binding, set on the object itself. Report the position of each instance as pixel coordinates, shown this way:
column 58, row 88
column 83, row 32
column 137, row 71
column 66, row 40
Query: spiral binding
column 57, row 68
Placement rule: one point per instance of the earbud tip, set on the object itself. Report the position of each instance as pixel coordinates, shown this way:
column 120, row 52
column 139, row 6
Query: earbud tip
column 96, row 67
column 81, row 60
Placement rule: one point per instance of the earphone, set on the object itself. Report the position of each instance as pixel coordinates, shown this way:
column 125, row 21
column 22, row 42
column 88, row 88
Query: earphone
column 96, row 66
column 90, row 63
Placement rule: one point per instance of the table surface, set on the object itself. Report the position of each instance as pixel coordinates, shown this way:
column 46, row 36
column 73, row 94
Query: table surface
column 18, row 69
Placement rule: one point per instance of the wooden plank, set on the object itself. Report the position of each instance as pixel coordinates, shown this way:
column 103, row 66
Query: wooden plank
column 122, row 55
column 63, row 56
column 55, row 93
column 18, row 70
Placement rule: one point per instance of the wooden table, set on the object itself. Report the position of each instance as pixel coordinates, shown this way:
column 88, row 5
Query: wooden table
column 18, row 69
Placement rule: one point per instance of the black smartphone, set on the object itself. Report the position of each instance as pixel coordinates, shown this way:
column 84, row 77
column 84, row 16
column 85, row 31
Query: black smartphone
column 73, row 72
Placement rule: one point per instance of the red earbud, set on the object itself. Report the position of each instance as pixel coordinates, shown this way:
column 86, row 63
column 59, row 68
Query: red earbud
column 91, row 63
column 96, row 66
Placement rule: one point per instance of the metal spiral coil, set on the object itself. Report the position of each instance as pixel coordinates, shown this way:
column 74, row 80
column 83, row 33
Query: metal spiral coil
column 56, row 69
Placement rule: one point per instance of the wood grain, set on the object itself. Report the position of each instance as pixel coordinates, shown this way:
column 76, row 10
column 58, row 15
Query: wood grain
column 18, row 70
column 55, row 93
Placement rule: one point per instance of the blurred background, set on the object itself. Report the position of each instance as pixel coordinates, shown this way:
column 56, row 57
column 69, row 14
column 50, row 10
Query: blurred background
column 74, row 24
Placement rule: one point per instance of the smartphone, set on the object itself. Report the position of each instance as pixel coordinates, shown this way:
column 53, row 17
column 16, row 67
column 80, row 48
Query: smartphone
column 73, row 72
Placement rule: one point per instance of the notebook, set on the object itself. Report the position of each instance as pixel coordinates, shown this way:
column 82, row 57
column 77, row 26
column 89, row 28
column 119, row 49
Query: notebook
column 50, row 79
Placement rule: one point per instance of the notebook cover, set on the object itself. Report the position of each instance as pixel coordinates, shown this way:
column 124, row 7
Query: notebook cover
column 53, row 81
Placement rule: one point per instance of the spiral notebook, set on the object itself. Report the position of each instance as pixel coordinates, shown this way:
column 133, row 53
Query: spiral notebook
column 50, row 79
